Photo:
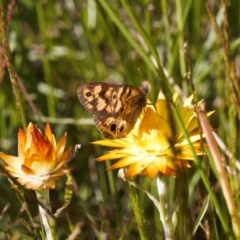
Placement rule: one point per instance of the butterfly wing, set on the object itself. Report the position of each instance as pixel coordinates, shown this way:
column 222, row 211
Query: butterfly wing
column 115, row 108
column 132, row 101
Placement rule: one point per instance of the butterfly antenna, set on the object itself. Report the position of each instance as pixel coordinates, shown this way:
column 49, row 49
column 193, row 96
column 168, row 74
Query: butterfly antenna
column 139, row 72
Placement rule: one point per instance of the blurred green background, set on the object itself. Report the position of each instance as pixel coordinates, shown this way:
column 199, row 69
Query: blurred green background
column 57, row 45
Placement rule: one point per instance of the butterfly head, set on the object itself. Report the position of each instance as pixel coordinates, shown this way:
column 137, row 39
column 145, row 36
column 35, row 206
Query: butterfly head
column 145, row 88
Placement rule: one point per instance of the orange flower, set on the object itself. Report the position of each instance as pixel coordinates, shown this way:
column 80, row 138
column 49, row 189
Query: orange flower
column 40, row 160
column 156, row 145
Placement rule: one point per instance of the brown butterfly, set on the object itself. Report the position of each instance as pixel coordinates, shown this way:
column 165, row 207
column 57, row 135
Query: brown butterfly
column 115, row 108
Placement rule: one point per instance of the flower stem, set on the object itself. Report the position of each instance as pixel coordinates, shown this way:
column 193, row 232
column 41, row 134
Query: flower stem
column 44, row 210
column 163, row 209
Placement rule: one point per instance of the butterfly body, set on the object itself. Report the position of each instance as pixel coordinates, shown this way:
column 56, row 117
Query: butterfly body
column 115, row 108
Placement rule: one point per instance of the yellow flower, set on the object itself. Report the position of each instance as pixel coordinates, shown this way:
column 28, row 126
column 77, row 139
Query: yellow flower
column 156, row 145
column 40, row 160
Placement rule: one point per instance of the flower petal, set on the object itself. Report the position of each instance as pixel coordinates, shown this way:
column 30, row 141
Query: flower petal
column 40, row 162
column 156, row 145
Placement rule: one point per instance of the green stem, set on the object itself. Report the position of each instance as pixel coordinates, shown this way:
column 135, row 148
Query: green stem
column 152, row 49
column 46, row 63
column 137, row 211
column 11, row 71
column 45, row 210
column 198, row 165
column 122, row 28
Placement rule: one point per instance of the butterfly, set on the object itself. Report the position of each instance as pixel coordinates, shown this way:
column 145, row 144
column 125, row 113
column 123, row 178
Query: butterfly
column 115, row 108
